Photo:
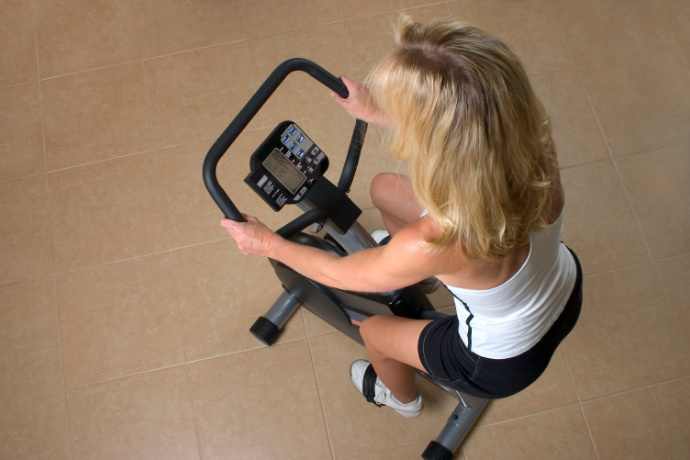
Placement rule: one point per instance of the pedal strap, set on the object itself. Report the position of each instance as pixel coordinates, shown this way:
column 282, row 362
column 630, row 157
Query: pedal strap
column 369, row 385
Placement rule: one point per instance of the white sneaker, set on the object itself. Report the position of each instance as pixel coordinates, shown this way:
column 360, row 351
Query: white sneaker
column 367, row 382
column 379, row 235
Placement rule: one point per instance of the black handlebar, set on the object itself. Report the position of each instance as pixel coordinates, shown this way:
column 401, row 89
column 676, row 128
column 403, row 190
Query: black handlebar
column 248, row 112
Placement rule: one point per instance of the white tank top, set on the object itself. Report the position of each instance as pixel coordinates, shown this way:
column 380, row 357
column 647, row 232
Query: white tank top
column 509, row 319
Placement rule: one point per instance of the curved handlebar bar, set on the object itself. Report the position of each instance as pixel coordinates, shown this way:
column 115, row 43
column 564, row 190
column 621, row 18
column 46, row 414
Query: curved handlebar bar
column 248, row 112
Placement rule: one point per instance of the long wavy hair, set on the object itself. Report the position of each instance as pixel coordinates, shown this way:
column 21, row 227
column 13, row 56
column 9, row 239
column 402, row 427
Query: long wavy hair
column 475, row 136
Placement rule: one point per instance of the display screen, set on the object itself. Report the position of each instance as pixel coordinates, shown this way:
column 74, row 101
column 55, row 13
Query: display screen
column 283, row 170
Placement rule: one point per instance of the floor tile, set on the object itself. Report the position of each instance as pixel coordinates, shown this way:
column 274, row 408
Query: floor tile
column 599, row 225
column 141, row 417
column 365, row 8
column 169, row 26
column 78, row 35
column 35, row 428
column 25, row 242
column 642, row 102
column 555, row 434
column 411, row 451
column 119, row 319
column 191, row 214
column 313, row 325
column 301, row 96
column 21, row 130
column 528, row 27
column 372, row 36
column 106, row 212
column 287, row 16
column 272, row 396
column 627, row 335
column 553, row 390
column 656, row 183
column 31, row 363
column 375, row 429
column 677, row 13
column 576, row 132
column 598, row 31
column 96, row 116
column 18, row 36
column 222, row 293
column 646, row 423
column 685, row 52
column 360, row 8
column 107, row 110
column 195, row 95
column 674, row 274
column 372, row 39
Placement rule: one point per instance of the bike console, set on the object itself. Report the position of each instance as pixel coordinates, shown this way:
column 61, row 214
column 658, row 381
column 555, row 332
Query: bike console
column 285, row 166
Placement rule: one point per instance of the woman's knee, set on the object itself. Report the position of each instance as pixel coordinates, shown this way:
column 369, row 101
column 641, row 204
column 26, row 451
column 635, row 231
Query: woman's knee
column 382, row 187
column 392, row 195
column 367, row 328
column 370, row 331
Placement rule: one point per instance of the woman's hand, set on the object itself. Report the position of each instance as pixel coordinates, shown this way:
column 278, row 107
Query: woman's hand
column 252, row 237
column 359, row 105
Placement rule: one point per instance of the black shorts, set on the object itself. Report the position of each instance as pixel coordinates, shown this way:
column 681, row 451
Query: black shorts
column 446, row 358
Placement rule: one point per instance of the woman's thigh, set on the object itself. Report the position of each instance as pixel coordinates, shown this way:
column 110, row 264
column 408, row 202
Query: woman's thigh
column 394, row 337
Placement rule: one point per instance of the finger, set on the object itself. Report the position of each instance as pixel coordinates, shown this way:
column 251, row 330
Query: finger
column 227, row 223
column 347, row 80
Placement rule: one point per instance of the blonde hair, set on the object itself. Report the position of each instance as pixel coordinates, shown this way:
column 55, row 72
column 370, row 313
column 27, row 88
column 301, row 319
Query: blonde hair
column 476, row 138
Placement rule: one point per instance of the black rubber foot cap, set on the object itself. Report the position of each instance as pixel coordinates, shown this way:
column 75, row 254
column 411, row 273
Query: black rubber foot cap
column 436, row 451
column 265, row 331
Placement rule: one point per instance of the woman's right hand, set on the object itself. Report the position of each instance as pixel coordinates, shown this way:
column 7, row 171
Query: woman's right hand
column 359, row 105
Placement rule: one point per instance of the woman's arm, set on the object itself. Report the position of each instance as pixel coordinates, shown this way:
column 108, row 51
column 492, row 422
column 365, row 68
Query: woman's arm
column 402, row 262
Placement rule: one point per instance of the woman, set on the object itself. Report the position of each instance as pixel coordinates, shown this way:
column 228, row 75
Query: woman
column 482, row 211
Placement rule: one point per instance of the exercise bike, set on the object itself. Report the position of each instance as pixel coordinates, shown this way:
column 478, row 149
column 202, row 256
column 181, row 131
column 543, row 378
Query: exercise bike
column 288, row 168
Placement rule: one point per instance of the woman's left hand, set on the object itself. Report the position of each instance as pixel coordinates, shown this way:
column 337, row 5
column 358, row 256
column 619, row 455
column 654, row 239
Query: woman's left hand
column 252, row 237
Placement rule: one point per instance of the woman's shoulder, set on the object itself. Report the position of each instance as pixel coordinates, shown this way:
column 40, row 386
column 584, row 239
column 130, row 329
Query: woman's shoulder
column 412, row 238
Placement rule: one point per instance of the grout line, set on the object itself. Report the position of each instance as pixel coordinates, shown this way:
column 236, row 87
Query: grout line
column 589, row 431
column 570, row 372
column 113, row 262
column 321, row 400
column 615, row 166
column 123, row 377
column 577, row 395
column 632, row 210
column 106, row 160
column 526, row 416
column 52, row 239
column 594, row 112
column 633, row 390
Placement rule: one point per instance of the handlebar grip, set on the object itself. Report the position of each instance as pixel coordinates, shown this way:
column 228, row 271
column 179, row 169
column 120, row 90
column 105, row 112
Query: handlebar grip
column 240, row 122
column 353, row 153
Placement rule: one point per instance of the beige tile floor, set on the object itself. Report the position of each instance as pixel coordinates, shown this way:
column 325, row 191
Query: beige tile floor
column 124, row 308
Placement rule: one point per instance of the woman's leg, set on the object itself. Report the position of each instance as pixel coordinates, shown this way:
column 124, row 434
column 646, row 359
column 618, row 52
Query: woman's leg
column 392, row 195
column 391, row 343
